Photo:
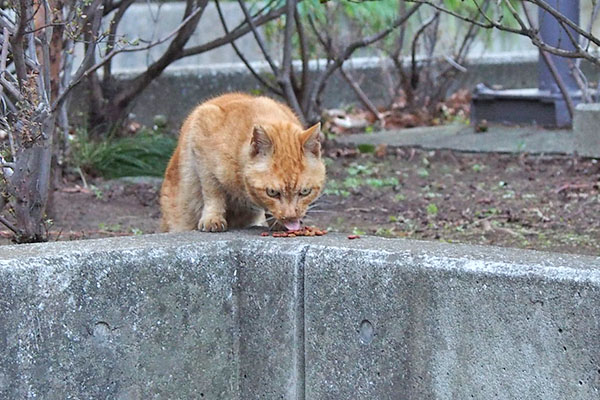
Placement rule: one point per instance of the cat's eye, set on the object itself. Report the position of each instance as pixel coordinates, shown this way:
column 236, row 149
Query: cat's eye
column 273, row 192
column 305, row 191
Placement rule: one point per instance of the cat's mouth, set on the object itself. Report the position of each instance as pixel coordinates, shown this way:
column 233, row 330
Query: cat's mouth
column 293, row 225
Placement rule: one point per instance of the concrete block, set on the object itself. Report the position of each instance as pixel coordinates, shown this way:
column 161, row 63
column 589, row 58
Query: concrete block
column 163, row 316
column 586, row 128
column 128, row 320
column 271, row 327
column 400, row 320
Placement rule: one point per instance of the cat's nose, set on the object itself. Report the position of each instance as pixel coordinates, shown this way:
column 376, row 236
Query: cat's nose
column 289, row 214
column 289, row 217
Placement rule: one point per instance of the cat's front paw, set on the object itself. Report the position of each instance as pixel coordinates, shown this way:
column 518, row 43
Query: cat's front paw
column 212, row 223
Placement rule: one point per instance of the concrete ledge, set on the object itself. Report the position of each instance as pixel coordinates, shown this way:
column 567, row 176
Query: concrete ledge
column 238, row 316
column 586, row 128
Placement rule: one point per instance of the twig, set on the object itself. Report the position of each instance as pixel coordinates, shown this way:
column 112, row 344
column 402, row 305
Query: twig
column 455, row 64
column 361, row 95
column 575, row 186
column 258, row 37
column 264, row 82
column 413, row 52
column 10, row 226
column 581, row 81
column 85, row 185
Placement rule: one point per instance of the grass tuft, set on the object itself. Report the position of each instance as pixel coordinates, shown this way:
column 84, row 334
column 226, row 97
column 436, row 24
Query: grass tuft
column 145, row 154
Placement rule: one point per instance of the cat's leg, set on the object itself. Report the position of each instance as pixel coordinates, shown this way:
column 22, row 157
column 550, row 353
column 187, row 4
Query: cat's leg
column 181, row 196
column 214, row 207
column 177, row 216
column 244, row 216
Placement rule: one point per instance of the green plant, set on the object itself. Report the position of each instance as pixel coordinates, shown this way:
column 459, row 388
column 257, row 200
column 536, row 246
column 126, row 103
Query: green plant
column 386, row 232
column 366, row 148
column 422, row 172
column 358, row 231
column 360, row 169
column 477, row 167
column 432, row 209
column 145, row 154
column 352, row 182
column 377, row 183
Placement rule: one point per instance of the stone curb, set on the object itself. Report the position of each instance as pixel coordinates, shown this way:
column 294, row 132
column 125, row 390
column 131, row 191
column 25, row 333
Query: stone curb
column 238, row 316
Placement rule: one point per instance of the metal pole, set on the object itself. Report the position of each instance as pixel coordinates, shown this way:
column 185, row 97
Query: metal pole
column 555, row 35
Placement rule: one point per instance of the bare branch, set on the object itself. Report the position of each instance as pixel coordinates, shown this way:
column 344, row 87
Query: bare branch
column 285, row 73
column 526, row 31
column 112, row 32
column 555, row 74
column 192, row 16
column 413, row 52
column 350, row 49
column 303, row 54
column 10, row 88
column 235, row 33
column 10, row 226
column 80, row 74
column 264, row 82
column 258, row 37
column 362, row 96
column 560, row 17
column 18, row 52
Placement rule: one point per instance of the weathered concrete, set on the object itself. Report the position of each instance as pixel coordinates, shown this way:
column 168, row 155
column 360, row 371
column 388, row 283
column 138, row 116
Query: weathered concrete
column 586, row 129
column 238, row 316
column 498, row 138
column 438, row 322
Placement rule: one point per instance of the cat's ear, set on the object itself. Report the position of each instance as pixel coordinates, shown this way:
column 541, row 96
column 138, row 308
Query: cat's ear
column 260, row 142
column 311, row 139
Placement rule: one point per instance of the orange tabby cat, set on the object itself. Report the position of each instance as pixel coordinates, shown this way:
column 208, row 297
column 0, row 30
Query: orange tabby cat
column 237, row 156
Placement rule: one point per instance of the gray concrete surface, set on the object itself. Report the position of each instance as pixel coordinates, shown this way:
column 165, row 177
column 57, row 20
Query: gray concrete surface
column 586, row 129
column 238, row 316
column 498, row 138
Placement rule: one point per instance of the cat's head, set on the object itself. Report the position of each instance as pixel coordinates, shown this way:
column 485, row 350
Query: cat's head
column 284, row 172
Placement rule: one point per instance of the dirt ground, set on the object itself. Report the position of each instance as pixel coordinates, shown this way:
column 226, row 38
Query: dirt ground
column 535, row 202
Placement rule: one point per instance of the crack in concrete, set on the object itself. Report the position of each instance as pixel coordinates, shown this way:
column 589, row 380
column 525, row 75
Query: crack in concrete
column 300, row 338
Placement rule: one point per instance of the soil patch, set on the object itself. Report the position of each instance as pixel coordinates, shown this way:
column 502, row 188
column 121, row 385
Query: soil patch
column 535, row 202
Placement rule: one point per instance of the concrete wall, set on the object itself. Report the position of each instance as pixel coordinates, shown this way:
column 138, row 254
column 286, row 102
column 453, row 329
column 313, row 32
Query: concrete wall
column 238, row 316
column 178, row 90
